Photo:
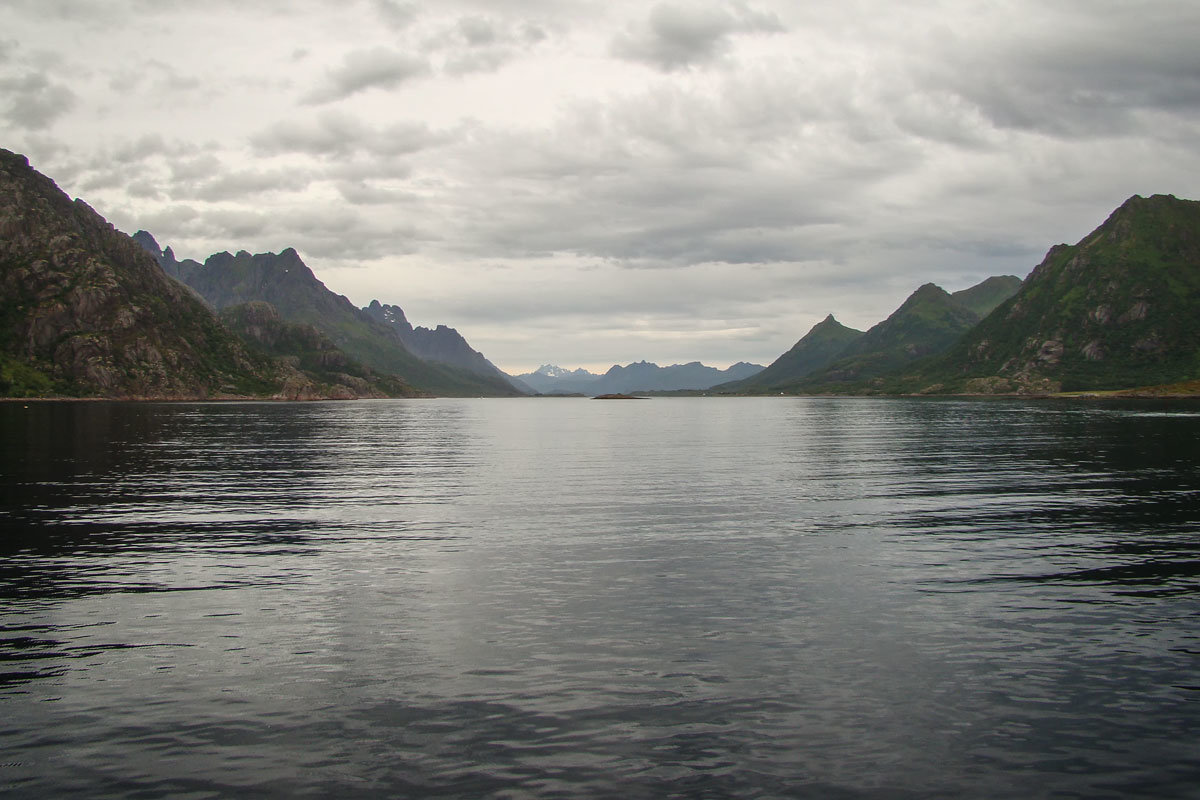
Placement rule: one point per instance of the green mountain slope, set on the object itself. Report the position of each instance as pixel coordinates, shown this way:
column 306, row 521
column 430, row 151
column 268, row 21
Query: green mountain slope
column 87, row 313
column 322, row 369
column 928, row 322
column 285, row 281
column 823, row 344
column 983, row 297
column 1118, row 309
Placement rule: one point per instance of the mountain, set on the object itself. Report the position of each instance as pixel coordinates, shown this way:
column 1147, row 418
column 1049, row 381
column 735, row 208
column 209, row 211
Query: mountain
column 820, row 346
column 928, row 322
column 286, row 282
column 551, row 379
column 983, row 297
column 641, row 376
column 442, row 344
column 87, row 312
column 323, row 370
column 1118, row 309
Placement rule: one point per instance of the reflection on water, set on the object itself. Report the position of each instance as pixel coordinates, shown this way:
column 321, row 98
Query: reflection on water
column 722, row 598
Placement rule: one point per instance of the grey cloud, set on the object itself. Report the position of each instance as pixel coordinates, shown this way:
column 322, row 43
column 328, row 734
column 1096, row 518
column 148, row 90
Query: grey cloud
column 144, row 189
column 345, row 233
column 477, row 31
column 1077, row 75
column 488, row 60
column 341, row 135
column 155, row 77
column 169, row 221
column 396, row 15
column 681, row 36
column 244, row 183
column 35, row 102
column 194, row 167
column 364, row 193
column 232, row 224
column 360, row 70
column 484, row 44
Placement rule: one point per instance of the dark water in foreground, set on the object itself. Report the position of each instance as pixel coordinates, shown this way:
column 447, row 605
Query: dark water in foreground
column 565, row 598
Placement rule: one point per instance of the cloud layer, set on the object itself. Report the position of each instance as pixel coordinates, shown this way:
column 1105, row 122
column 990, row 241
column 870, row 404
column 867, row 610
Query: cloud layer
column 588, row 183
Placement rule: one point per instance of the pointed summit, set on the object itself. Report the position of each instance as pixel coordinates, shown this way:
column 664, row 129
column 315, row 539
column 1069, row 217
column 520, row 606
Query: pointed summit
column 824, row 342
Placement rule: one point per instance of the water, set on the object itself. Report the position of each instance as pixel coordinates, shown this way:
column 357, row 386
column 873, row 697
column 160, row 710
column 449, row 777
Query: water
column 827, row 598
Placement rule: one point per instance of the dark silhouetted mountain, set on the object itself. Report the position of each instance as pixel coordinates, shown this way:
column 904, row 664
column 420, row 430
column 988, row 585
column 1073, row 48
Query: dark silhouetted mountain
column 442, row 344
column 823, row 344
column 179, row 270
column 285, row 281
column 641, row 376
column 1119, row 309
column 87, row 312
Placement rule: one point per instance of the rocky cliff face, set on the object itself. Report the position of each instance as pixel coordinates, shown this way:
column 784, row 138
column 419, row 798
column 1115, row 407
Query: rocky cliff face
column 87, row 312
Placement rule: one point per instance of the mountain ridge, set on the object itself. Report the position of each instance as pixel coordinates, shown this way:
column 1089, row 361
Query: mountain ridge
column 637, row 376
column 1116, row 310
column 287, row 283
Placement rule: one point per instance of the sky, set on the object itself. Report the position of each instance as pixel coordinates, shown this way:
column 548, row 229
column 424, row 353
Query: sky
column 593, row 182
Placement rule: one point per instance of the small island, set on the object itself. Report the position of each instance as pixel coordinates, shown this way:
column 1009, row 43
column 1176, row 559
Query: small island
column 618, row 397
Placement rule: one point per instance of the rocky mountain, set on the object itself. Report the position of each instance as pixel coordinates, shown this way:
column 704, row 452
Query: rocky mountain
column 286, row 282
column 641, row 376
column 442, row 344
column 1118, row 309
column 827, row 340
column 321, row 368
column 87, row 312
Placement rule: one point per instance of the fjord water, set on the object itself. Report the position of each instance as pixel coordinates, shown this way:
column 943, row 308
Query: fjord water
column 565, row 598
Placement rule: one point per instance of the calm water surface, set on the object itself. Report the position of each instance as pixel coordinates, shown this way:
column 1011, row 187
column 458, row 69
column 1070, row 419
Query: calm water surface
column 826, row 598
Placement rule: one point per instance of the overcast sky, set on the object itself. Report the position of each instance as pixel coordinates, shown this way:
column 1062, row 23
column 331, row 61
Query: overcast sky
column 590, row 182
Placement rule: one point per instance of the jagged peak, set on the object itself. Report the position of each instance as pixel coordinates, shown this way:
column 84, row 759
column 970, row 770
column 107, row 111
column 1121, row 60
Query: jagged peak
column 147, row 240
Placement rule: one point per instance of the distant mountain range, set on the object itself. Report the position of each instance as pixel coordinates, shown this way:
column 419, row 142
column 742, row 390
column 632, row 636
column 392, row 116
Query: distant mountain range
column 640, row 376
column 89, row 311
